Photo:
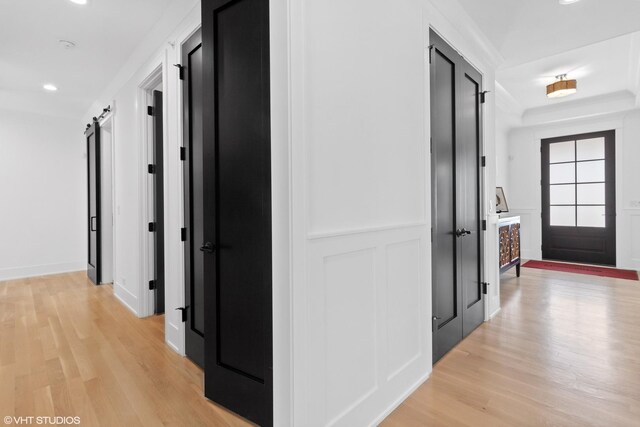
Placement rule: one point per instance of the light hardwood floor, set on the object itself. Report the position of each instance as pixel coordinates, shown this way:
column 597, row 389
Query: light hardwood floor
column 563, row 351
column 69, row 348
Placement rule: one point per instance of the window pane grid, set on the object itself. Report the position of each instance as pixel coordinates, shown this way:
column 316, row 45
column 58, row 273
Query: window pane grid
column 589, row 212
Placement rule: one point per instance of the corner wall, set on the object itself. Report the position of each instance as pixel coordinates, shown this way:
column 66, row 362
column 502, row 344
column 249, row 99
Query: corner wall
column 42, row 220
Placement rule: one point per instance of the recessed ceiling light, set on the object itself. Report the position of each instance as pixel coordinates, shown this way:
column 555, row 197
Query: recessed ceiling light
column 50, row 87
column 85, row 1
column 561, row 1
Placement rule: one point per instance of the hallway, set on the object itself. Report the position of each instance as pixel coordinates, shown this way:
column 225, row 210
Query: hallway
column 70, row 348
column 550, row 357
column 562, row 351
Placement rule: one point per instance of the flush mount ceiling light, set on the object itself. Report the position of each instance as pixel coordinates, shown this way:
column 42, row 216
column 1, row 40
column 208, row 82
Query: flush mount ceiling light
column 562, row 87
column 50, row 87
column 561, row 1
column 85, row 1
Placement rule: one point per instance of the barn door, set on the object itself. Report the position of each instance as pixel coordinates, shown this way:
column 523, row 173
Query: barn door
column 92, row 136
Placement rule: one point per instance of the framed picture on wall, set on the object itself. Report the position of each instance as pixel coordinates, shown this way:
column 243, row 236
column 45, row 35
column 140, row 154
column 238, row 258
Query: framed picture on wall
column 501, row 201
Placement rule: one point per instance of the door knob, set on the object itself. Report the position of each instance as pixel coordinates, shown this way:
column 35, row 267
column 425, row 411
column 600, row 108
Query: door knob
column 208, row 248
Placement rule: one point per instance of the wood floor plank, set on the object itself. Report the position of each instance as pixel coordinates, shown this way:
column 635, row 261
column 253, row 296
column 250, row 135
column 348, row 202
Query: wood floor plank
column 70, row 348
column 563, row 351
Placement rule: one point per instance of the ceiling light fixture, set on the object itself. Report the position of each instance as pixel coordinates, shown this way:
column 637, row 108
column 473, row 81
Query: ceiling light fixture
column 562, row 87
column 563, row 2
column 85, row 1
column 50, row 87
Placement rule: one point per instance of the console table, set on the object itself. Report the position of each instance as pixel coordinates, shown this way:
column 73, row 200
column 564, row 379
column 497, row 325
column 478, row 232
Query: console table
column 509, row 237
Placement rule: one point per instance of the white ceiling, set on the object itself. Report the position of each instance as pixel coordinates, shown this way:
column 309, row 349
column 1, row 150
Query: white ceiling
column 594, row 41
column 600, row 69
column 525, row 30
column 106, row 32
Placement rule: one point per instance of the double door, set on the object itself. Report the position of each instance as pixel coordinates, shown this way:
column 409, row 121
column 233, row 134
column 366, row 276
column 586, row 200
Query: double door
column 458, row 291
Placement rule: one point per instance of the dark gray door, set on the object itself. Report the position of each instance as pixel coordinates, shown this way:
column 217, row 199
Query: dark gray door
column 579, row 198
column 193, row 233
column 92, row 136
column 237, row 207
column 455, row 170
column 158, row 193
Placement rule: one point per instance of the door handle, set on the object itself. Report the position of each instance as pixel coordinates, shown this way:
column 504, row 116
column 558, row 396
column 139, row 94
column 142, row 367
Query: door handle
column 208, row 248
column 93, row 222
column 462, row 232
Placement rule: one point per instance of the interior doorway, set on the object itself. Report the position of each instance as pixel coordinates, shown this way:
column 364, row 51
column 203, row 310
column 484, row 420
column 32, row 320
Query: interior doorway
column 457, row 232
column 579, row 198
column 100, row 256
column 155, row 188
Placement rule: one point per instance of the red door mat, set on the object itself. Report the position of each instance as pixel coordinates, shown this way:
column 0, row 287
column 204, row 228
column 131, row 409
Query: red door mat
column 583, row 269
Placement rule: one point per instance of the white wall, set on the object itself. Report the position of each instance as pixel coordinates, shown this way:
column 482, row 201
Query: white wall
column 126, row 94
column 43, row 187
column 351, row 202
column 524, row 178
column 358, row 123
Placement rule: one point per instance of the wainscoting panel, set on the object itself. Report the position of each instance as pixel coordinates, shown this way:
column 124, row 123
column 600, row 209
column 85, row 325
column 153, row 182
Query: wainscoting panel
column 368, row 308
column 403, row 305
column 350, row 318
column 635, row 238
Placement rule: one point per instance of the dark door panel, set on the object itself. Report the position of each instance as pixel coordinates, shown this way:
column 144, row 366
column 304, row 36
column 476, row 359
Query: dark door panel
column 468, row 200
column 158, row 191
column 237, row 207
column 447, row 307
column 578, row 198
column 92, row 136
column 458, row 301
column 192, row 97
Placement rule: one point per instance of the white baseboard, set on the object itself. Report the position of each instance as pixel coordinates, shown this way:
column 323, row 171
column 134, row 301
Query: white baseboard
column 127, row 299
column 400, row 399
column 41, row 270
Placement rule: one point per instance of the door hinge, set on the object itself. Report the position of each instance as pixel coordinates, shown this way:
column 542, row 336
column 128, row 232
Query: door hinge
column 430, row 52
column 180, row 71
column 150, row 110
column 183, row 153
column 485, row 288
column 151, row 168
column 483, row 161
column 184, row 312
column 152, row 285
column 484, row 225
column 483, row 96
column 432, row 234
column 183, row 234
column 152, row 227
column 431, row 145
